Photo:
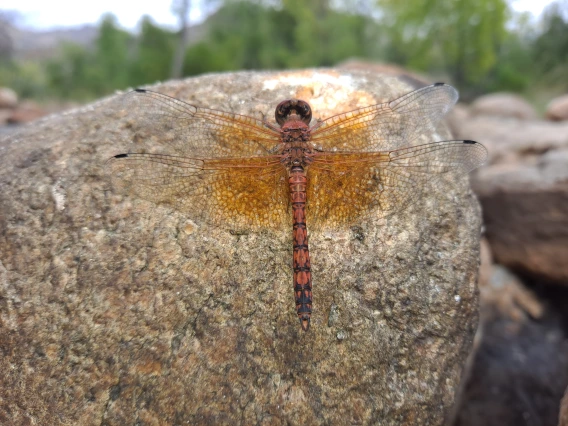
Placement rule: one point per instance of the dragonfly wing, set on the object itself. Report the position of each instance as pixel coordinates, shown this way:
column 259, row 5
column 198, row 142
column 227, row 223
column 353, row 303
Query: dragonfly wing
column 167, row 125
column 389, row 125
column 344, row 187
column 240, row 194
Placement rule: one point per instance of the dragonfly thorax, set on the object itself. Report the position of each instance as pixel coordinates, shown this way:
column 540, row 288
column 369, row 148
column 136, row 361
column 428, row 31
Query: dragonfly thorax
column 296, row 154
column 295, row 130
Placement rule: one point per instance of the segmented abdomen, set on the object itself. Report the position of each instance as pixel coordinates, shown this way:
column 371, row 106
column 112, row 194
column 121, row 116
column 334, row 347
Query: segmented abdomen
column 302, row 271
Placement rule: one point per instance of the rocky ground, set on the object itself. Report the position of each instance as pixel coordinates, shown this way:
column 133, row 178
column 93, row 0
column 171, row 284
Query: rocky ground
column 15, row 111
column 518, row 372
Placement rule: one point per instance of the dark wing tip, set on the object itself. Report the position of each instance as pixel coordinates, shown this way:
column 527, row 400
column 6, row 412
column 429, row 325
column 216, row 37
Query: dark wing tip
column 120, row 156
column 140, row 90
column 470, row 142
column 439, row 84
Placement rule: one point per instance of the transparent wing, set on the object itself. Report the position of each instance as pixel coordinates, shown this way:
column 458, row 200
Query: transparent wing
column 345, row 187
column 167, row 125
column 238, row 193
column 387, row 126
column 211, row 165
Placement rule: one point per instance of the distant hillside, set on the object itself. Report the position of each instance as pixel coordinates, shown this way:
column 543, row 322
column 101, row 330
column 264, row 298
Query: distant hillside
column 29, row 44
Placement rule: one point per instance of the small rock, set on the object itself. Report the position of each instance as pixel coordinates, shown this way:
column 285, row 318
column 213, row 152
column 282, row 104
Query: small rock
column 27, row 111
column 8, row 98
column 486, row 263
column 5, row 114
column 457, row 116
column 526, row 215
column 563, row 417
column 557, row 109
column 523, row 191
column 503, row 105
column 505, row 294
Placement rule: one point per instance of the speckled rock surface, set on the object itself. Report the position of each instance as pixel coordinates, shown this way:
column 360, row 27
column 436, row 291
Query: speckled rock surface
column 116, row 311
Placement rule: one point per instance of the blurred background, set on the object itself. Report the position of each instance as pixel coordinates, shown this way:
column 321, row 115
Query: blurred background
column 58, row 51
column 509, row 60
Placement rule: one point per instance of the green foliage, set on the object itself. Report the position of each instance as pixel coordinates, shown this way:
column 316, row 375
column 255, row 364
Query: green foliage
column 117, row 61
column 458, row 37
column 111, row 56
column 249, row 35
column 26, row 78
column 153, row 54
column 79, row 73
column 551, row 46
column 465, row 40
column 513, row 68
column 323, row 36
column 72, row 74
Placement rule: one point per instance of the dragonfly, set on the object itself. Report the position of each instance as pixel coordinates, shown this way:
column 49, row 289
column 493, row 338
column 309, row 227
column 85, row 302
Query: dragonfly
column 239, row 172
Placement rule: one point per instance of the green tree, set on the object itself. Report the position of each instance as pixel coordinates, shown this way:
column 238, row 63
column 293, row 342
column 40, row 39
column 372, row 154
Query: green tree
column 153, row 54
column 551, row 46
column 82, row 73
column 322, row 35
column 255, row 35
column 111, row 56
column 514, row 69
column 71, row 74
column 182, row 9
column 460, row 37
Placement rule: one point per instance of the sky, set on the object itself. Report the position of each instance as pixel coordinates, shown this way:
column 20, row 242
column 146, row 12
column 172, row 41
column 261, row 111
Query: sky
column 46, row 14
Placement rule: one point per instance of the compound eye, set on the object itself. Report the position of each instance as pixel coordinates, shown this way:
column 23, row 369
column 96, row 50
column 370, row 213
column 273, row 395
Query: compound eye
column 282, row 111
column 305, row 111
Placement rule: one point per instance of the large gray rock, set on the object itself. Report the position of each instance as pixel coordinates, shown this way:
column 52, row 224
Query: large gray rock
column 8, row 98
column 524, row 192
column 503, row 105
column 518, row 370
column 117, row 311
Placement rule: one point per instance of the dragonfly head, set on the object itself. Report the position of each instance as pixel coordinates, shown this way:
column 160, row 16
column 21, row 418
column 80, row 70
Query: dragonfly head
column 293, row 109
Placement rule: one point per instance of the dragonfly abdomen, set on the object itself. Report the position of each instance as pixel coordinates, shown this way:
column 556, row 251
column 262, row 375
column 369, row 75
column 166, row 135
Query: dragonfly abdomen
column 301, row 263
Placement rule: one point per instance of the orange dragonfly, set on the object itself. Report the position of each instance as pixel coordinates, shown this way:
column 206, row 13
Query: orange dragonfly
column 239, row 172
